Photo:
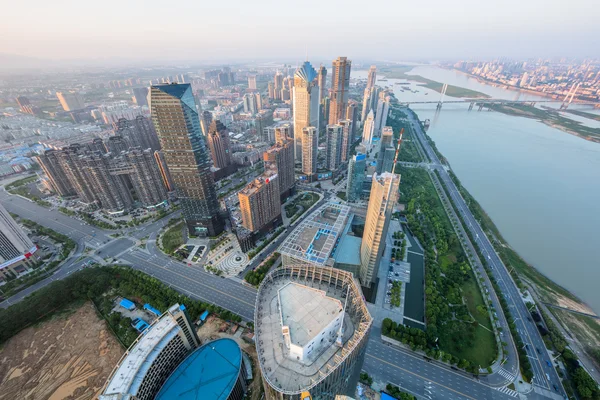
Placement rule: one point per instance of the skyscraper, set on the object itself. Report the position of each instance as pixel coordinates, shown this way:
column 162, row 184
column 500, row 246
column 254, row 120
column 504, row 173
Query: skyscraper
column 116, row 144
column 352, row 115
column 387, row 137
column 281, row 157
column 322, row 82
column 278, row 85
column 259, row 201
column 383, row 109
column 205, row 121
column 306, row 102
column 56, row 175
column 138, row 133
column 70, row 160
column 283, row 132
column 146, row 177
column 372, row 77
column 384, row 193
column 271, row 90
column 70, row 101
column 368, row 129
column 106, row 180
column 302, row 319
column 16, row 249
column 178, row 127
column 218, row 142
column 347, row 139
column 370, row 99
column 250, row 105
column 252, row 82
column 310, row 142
column 140, row 96
column 356, row 176
column 340, row 85
column 334, row 146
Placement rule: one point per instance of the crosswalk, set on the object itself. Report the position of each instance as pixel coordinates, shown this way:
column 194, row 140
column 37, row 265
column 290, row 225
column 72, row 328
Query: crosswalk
column 507, row 391
column 505, row 374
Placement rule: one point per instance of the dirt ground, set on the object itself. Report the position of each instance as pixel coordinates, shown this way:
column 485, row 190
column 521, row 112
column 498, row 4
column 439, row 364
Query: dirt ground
column 68, row 357
column 210, row 331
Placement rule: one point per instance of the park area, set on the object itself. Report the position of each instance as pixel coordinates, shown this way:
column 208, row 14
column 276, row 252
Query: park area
column 66, row 357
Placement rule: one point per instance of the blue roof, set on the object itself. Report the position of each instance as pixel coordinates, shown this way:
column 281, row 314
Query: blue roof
column 153, row 310
column 204, row 315
column 128, row 304
column 176, row 89
column 209, row 373
column 385, row 396
column 141, row 325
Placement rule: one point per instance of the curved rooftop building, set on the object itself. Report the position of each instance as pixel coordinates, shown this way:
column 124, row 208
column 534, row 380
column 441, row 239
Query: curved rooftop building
column 215, row 371
column 311, row 325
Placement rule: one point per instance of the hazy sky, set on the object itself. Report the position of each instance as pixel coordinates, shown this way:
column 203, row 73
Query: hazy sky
column 209, row 30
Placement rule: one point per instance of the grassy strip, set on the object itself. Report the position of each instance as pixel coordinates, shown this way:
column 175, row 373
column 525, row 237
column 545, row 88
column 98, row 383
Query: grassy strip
column 256, row 276
column 408, row 150
column 584, row 114
column 253, row 253
column 172, row 238
column 21, row 182
column 396, row 393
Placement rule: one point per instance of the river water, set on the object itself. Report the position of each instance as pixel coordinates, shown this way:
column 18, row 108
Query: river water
column 541, row 186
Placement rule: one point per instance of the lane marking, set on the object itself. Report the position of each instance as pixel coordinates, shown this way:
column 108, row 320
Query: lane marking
column 422, row 377
column 193, row 280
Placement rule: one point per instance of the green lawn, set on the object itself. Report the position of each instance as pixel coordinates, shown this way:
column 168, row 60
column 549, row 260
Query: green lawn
column 473, row 299
column 173, row 238
column 481, row 351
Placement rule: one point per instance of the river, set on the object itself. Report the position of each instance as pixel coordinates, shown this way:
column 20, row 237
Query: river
column 541, row 186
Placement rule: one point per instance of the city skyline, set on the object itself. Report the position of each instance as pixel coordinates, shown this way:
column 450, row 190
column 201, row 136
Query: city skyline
column 458, row 31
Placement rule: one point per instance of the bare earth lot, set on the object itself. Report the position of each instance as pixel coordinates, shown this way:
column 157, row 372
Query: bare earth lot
column 68, row 357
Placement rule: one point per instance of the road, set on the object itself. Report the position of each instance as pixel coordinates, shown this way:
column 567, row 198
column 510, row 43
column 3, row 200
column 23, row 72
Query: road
column 546, row 379
column 425, row 380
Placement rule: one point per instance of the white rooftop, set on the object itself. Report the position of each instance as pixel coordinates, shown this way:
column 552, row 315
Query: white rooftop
column 306, row 311
column 132, row 368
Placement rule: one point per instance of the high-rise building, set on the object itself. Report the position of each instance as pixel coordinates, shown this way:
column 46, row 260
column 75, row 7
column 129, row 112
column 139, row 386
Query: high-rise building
column 383, row 109
column 322, row 82
column 371, row 96
column 205, row 121
column 310, row 143
column 70, row 160
column 356, row 176
column 278, row 85
column 387, row 138
column 250, row 105
column 372, row 78
column 384, row 193
column 107, row 180
column 146, row 177
column 368, row 128
column 218, row 142
column 284, row 132
column 352, row 115
column 116, row 144
column 259, row 102
column 303, row 319
column 70, row 101
column 17, row 251
column 347, row 139
column 23, row 102
column 252, row 82
column 259, row 201
column 306, row 103
column 138, row 133
column 140, row 96
column 281, row 157
column 340, row 86
column 177, row 124
column 49, row 161
column 334, row 147
column 159, row 156
column 271, row 90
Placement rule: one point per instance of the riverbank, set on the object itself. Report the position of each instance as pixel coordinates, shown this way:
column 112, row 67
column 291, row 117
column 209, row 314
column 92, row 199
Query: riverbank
column 400, row 72
column 551, row 118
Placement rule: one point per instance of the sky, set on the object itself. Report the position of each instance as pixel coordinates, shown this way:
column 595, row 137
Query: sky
column 246, row 30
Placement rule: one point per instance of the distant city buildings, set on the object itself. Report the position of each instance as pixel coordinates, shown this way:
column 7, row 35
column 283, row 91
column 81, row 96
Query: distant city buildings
column 70, row 101
column 177, row 124
column 252, row 82
column 340, row 86
column 138, row 133
column 140, row 96
column 17, row 252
